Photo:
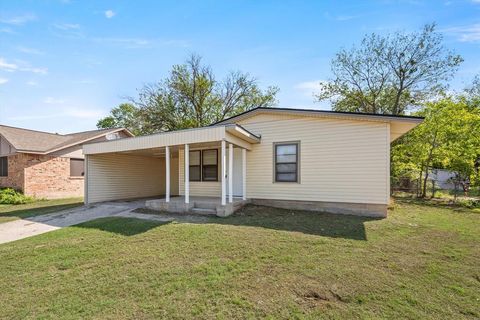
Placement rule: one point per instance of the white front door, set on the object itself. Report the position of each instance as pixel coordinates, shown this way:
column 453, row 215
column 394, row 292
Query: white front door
column 237, row 173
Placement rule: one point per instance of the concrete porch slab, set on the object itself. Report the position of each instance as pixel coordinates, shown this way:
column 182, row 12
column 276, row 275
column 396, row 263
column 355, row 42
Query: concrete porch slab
column 199, row 205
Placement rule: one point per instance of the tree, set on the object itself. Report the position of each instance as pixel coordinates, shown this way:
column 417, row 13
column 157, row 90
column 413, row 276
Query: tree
column 447, row 139
column 124, row 116
column 390, row 74
column 191, row 96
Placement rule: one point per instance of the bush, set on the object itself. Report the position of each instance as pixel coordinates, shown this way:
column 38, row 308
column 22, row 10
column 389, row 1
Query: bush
column 11, row 196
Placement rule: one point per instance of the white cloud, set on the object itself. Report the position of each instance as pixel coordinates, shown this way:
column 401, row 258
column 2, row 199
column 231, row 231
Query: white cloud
column 3, row 80
column 82, row 113
column 66, row 26
column 109, row 14
column 309, row 88
column 12, row 67
column 7, row 30
column 18, row 20
column 131, row 43
column 470, row 33
column 6, row 66
column 30, row 50
column 32, row 83
column 71, row 112
column 51, row 100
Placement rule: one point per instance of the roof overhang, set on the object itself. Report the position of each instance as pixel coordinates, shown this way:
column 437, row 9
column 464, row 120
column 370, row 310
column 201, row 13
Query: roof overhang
column 399, row 125
column 231, row 133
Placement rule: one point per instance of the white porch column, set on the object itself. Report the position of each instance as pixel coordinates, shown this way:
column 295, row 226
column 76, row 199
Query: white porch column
column 187, row 174
column 244, row 174
column 224, row 173
column 230, row 173
column 167, row 174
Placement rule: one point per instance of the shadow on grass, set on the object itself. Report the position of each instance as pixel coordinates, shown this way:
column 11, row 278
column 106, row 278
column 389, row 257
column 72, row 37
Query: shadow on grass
column 307, row 222
column 121, row 225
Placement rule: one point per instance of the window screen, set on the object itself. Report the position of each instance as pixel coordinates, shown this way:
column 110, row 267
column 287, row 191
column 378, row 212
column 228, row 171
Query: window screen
column 77, row 167
column 3, row 166
column 286, row 162
column 194, row 162
column 210, row 165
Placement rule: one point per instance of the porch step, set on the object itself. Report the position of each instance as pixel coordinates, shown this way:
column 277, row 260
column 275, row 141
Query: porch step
column 205, row 205
column 204, row 211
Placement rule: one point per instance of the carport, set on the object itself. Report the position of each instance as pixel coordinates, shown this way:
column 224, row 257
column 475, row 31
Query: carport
column 153, row 166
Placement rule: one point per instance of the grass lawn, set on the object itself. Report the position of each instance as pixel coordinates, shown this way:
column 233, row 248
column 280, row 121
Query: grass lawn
column 422, row 262
column 21, row 211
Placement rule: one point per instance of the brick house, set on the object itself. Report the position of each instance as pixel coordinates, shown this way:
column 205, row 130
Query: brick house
column 47, row 165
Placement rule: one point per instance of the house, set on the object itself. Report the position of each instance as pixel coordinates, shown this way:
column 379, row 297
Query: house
column 290, row 158
column 47, row 165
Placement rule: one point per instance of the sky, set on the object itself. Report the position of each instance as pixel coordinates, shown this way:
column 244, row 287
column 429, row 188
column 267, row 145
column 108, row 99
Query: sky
column 65, row 63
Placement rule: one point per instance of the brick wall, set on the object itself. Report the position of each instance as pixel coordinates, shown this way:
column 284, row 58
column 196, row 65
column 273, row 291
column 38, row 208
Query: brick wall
column 49, row 177
column 15, row 179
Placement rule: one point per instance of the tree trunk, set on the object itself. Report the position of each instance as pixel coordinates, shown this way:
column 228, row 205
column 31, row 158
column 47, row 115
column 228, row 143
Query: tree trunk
column 424, row 189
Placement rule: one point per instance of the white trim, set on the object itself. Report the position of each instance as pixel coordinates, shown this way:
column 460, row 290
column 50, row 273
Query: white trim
column 187, row 174
column 224, row 172
column 244, row 174
column 85, row 181
column 167, row 174
column 230, row 173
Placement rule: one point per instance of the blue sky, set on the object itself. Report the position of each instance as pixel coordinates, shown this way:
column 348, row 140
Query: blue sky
column 66, row 63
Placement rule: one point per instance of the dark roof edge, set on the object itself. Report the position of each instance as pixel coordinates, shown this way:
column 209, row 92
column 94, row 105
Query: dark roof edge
column 322, row 111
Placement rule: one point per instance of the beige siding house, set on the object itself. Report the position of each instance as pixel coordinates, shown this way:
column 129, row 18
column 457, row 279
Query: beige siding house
column 47, row 165
column 307, row 159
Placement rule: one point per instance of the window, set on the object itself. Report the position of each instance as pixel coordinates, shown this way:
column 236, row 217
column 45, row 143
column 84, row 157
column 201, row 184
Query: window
column 77, row 168
column 210, row 165
column 286, row 162
column 203, row 165
column 194, row 170
column 3, row 166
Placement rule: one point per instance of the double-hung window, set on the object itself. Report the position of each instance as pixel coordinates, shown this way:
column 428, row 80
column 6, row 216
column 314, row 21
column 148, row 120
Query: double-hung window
column 195, row 165
column 210, row 165
column 203, row 165
column 286, row 162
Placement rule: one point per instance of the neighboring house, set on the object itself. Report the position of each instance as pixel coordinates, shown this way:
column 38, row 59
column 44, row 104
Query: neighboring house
column 443, row 178
column 290, row 158
column 47, row 165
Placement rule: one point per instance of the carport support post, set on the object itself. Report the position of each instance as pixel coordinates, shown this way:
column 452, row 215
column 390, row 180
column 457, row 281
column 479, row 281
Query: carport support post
column 167, row 174
column 224, row 173
column 244, row 174
column 230, row 173
column 187, row 174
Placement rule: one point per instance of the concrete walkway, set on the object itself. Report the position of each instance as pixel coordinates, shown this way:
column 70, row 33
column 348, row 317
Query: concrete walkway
column 24, row 228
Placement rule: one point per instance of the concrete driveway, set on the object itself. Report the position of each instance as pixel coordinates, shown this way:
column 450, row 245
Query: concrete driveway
column 24, row 228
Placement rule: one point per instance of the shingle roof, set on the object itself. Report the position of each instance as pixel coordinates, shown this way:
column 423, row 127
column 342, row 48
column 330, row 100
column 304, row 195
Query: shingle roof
column 46, row 142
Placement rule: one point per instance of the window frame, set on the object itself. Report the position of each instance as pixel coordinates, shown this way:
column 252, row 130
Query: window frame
column 210, row 165
column 195, row 165
column 297, row 161
column 83, row 171
column 5, row 159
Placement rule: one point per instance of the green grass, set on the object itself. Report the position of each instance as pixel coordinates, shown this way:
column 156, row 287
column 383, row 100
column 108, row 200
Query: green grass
column 39, row 207
column 419, row 263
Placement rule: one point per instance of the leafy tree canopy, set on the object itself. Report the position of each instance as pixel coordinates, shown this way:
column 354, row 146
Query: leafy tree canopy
column 189, row 97
column 389, row 74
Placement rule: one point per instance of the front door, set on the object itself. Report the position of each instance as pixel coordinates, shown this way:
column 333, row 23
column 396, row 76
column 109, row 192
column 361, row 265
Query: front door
column 237, row 173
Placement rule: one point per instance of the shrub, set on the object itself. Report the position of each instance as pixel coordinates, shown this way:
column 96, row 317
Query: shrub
column 11, row 196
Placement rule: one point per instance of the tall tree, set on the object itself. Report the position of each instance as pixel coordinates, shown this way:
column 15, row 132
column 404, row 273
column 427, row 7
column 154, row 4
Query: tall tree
column 447, row 139
column 389, row 74
column 191, row 96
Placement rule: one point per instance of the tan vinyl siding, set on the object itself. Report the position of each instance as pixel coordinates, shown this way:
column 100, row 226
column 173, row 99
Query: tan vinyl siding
column 197, row 135
column 340, row 160
column 199, row 188
column 114, row 177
